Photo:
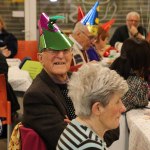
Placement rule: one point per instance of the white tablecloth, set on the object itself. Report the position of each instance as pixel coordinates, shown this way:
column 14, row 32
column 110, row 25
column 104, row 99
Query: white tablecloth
column 20, row 80
column 139, row 125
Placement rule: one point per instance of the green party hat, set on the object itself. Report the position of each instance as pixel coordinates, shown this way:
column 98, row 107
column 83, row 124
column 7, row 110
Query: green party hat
column 51, row 37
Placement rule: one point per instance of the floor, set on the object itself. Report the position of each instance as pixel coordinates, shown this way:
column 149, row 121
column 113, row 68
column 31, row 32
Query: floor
column 3, row 142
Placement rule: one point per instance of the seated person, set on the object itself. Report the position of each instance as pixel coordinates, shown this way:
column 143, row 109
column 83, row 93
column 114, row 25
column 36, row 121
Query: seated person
column 101, row 41
column 131, row 29
column 46, row 104
column 82, row 36
column 133, row 65
column 10, row 93
column 82, row 41
column 8, row 42
column 98, row 106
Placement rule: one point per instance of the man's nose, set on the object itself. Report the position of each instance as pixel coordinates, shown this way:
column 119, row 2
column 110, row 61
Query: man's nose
column 60, row 54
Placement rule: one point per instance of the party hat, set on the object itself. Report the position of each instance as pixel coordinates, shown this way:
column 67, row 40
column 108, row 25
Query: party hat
column 91, row 19
column 50, row 35
column 80, row 13
column 106, row 26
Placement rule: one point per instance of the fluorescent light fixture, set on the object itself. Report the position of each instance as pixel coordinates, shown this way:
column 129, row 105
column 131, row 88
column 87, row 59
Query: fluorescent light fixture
column 53, row 0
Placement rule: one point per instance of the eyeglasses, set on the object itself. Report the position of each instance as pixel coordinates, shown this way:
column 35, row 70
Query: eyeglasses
column 136, row 21
column 90, row 37
column 56, row 52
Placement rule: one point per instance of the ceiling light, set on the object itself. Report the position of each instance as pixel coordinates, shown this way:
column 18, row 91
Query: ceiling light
column 53, row 0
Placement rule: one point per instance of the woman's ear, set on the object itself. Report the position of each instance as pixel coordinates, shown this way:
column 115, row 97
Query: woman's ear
column 97, row 108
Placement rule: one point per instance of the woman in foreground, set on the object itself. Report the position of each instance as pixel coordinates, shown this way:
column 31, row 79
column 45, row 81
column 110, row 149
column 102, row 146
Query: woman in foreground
column 96, row 93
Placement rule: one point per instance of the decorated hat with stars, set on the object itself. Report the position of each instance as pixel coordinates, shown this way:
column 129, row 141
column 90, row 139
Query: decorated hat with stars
column 91, row 19
column 51, row 37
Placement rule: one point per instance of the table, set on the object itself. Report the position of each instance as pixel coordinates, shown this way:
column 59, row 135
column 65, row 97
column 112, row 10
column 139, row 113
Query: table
column 107, row 61
column 139, row 125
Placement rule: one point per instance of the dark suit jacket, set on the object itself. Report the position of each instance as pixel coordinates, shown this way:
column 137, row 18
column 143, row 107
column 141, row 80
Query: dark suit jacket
column 121, row 34
column 45, row 109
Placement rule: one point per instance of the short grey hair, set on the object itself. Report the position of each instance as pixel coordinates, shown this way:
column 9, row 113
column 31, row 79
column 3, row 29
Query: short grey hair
column 94, row 83
column 132, row 13
column 80, row 27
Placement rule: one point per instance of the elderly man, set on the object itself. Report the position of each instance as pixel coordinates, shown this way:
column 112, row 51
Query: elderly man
column 131, row 29
column 83, row 34
column 46, row 104
column 82, row 41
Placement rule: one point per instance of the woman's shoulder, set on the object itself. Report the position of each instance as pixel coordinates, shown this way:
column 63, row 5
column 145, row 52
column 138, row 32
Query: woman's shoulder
column 136, row 81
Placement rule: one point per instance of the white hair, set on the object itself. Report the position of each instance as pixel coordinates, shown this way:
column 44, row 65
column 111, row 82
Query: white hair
column 132, row 13
column 79, row 27
column 94, row 83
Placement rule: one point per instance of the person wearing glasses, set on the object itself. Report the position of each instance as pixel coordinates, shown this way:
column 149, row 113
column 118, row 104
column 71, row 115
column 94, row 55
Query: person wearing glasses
column 131, row 29
column 47, row 107
column 84, row 33
column 82, row 41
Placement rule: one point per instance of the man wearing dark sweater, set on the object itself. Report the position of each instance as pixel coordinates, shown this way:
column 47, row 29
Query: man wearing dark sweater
column 131, row 29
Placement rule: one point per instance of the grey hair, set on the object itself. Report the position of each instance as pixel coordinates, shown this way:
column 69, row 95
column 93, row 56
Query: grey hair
column 80, row 27
column 94, row 83
column 132, row 13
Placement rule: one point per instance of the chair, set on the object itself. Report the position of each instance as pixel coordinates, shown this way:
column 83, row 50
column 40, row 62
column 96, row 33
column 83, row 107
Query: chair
column 5, row 106
column 31, row 140
column 24, row 138
column 33, row 67
column 27, row 49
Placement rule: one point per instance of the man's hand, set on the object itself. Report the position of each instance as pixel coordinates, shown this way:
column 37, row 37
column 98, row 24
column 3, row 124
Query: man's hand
column 133, row 30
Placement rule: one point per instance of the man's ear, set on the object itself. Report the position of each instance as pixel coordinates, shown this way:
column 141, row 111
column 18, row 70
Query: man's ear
column 39, row 56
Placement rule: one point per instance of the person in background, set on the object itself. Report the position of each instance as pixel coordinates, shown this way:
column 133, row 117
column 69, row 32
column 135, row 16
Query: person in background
column 82, row 41
column 47, row 107
column 10, row 94
column 8, row 42
column 134, row 66
column 90, row 37
column 98, row 106
column 91, row 21
column 83, row 35
column 101, row 41
column 131, row 29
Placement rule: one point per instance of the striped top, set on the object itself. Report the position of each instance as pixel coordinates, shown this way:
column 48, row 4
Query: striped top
column 79, row 137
